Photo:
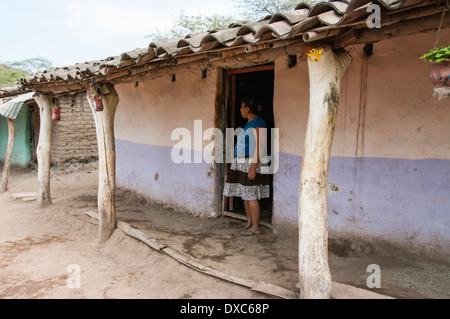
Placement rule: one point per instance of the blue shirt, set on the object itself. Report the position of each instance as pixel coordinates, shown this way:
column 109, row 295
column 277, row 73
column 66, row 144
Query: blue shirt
column 246, row 143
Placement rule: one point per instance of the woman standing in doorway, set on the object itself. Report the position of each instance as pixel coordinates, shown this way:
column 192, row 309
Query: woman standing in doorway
column 246, row 178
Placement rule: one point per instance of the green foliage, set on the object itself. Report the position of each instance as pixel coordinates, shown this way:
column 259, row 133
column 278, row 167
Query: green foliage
column 9, row 76
column 10, row 72
column 437, row 55
column 198, row 24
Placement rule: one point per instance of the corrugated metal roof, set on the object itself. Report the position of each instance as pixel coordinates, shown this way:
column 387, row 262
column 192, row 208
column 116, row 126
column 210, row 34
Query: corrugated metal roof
column 337, row 15
column 12, row 108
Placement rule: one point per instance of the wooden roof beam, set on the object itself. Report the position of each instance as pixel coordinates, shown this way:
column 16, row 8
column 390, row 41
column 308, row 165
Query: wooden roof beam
column 59, row 88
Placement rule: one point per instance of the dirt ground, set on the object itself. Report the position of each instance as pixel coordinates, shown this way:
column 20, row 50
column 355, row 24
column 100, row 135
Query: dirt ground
column 38, row 245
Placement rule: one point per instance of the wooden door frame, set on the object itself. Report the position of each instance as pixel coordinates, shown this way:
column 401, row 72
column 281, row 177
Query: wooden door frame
column 230, row 102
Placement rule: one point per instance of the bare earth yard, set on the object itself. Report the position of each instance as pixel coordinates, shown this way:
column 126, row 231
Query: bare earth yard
column 38, row 245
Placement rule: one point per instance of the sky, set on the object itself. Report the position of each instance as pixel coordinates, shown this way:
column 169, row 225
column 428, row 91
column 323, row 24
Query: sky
column 71, row 31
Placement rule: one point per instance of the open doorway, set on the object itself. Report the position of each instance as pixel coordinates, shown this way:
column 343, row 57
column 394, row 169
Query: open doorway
column 258, row 81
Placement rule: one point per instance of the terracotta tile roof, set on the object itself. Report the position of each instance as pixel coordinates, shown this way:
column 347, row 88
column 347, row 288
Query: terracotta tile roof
column 12, row 91
column 337, row 16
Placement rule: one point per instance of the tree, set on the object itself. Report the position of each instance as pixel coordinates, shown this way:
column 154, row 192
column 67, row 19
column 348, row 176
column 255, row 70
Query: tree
column 257, row 9
column 186, row 24
column 247, row 10
column 32, row 65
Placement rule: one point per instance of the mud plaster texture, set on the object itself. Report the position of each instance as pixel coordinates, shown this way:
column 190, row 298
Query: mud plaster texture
column 37, row 246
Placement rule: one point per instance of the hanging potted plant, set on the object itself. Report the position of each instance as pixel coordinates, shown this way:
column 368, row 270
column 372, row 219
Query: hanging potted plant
column 440, row 73
column 56, row 112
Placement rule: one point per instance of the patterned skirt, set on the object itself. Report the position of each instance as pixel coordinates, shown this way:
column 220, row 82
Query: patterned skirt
column 238, row 184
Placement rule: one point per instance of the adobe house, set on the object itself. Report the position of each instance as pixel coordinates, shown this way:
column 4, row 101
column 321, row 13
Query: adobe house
column 21, row 113
column 73, row 132
column 73, row 137
column 15, row 136
column 363, row 151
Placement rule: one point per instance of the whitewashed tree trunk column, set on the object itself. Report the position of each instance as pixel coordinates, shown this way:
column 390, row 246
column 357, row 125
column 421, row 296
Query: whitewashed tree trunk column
column 104, row 123
column 8, row 156
column 325, row 78
column 44, row 102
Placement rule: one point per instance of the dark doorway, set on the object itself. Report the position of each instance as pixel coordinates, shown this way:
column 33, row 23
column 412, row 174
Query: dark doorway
column 257, row 81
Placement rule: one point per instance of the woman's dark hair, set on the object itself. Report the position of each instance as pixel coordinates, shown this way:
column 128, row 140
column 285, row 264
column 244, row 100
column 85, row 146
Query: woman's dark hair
column 253, row 104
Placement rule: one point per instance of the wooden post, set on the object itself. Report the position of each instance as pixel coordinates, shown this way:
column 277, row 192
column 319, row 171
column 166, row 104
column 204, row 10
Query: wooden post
column 325, row 78
column 8, row 156
column 104, row 123
column 44, row 102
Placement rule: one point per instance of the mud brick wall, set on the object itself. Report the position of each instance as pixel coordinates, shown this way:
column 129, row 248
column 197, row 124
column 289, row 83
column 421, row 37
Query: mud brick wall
column 74, row 137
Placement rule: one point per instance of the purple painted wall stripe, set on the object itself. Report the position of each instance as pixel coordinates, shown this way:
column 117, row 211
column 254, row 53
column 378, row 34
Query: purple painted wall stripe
column 405, row 202
column 150, row 171
column 401, row 201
